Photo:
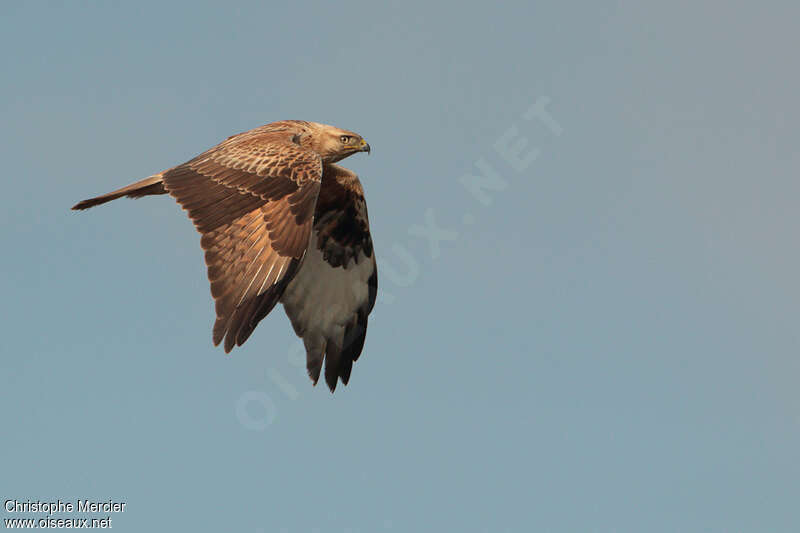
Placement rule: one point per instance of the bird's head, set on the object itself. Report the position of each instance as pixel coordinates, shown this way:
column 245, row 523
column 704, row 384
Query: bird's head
column 334, row 144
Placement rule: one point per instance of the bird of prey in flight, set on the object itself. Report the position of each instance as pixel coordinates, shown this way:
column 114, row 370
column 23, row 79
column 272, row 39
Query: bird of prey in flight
column 281, row 222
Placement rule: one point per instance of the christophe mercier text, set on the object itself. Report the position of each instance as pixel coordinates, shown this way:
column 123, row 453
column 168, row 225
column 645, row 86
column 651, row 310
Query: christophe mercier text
column 62, row 507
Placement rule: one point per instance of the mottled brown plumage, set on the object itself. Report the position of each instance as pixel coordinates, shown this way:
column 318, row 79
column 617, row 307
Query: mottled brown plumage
column 263, row 200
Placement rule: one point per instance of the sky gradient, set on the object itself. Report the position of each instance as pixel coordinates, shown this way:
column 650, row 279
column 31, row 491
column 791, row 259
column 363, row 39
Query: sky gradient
column 601, row 337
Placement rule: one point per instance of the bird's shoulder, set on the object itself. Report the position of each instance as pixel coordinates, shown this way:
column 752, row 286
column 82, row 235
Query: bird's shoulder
column 267, row 151
column 284, row 127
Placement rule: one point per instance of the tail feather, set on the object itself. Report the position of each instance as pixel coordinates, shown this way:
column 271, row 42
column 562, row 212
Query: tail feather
column 145, row 187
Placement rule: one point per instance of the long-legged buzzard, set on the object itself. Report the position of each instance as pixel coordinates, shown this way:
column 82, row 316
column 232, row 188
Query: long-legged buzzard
column 280, row 221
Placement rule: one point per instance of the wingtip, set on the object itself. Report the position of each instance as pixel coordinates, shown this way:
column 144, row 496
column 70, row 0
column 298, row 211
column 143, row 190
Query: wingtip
column 314, row 382
column 218, row 339
column 229, row 344
column 332, row 383
column 217, row 332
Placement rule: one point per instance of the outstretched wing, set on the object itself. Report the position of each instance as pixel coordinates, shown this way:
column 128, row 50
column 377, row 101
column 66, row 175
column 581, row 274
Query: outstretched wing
column 330, row 298
column 252, row 198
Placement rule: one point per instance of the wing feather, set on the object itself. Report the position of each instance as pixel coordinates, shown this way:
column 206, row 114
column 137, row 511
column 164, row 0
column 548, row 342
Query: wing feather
column 252, row 198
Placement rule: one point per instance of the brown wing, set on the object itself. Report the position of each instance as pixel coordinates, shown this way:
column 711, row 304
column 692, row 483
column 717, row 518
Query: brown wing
column 330, row 298
column 252, row 198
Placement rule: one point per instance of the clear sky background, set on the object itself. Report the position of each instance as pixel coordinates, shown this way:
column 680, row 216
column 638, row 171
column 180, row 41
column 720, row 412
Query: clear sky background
column 607, row 340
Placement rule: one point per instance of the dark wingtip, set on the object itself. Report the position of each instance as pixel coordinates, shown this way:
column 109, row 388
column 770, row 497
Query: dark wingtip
column 217, row 333
column 313, row 373
column 229, row 343
column 331, row 376
column 331, row 383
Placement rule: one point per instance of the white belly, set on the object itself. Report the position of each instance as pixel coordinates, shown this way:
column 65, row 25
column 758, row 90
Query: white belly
column 322, row 299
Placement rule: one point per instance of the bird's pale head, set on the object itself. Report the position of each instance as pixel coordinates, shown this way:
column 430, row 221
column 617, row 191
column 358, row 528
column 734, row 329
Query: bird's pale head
column 334, row 144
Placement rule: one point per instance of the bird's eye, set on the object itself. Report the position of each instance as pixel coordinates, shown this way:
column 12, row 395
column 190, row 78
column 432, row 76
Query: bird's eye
column 345, row 139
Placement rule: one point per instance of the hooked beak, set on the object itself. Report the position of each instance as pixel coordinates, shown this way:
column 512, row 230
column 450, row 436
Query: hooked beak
column 364, row 146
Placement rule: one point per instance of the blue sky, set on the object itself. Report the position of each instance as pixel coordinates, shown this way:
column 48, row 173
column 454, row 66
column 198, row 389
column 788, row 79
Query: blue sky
column 604, row 340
